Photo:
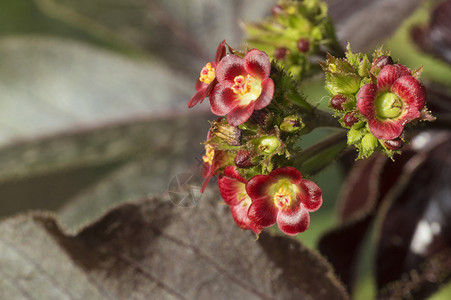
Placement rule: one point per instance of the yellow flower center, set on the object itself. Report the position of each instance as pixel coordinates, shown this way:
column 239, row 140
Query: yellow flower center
column 242, row 85
column 207, row 74
column 282, row 198
column 248, row 88
column 209, row 154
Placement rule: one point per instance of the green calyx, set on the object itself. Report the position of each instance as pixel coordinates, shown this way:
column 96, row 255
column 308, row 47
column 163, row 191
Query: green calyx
column 388, row 105
column 291, row 124
column 292, row 21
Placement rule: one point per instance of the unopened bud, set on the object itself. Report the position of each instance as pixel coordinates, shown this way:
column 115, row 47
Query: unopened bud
column 380, row 62
column 280, row 53
column 243, row 159
column 303, row 45
column 363, row 67
column 394, row 144
column 337, row 102
column 350, row 119
column 291, row 124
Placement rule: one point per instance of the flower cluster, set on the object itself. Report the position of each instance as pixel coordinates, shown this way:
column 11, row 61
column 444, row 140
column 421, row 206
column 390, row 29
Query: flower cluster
column 295, row 31
column 254, row 147
column 375, row 100
column 250, row 145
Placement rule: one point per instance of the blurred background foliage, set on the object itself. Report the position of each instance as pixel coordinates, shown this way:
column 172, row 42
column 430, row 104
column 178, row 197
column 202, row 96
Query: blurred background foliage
column 93, row 98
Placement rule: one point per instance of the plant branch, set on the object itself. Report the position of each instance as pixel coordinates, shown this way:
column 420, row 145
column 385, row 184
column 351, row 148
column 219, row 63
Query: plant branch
column 318, row 156
column 320, row 118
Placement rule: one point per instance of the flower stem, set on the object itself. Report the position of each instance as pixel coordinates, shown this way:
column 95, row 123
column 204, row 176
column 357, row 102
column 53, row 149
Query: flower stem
column 320, row 118
column 318, row 156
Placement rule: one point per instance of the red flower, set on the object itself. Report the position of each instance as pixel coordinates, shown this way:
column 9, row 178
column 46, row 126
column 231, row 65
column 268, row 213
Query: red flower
column 396, row 100
column 207, row 79
column 233, row 190
column 213, row 161
column 243, row 86
column 283, row 197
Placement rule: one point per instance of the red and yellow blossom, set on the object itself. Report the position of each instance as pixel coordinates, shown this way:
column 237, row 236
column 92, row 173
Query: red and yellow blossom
column 394, row 101
column 283, row 197
column 243, row 86
column 207, row 79
column 233, row 190
column 213, row 161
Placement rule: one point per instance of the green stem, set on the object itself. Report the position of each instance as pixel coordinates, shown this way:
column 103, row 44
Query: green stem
column 320, row 118
column 318, row 156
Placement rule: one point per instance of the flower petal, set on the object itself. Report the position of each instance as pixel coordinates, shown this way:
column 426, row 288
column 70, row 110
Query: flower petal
column 411, row 91
column 389, row 74
column 259, row 185
column 241, row 218
column 206, row 174
column 240, row 114
column 223, row 99
column 292, row 222
column 263, row 212
column 366, row 100
column 210, row 87
column 200, row 85
column 289, row 173
column 387, row 129
column 266, row 95
column 257, row 64
column 219, row 161
column 229, row 67
column 198, row 97
column 220, row 52
column 310, row 195
column 231, row 171
column 231, row 190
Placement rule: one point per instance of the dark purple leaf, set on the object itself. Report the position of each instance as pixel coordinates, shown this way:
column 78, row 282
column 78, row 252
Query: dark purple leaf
column 182, row 33
column 366, row 186
column 152, row 249
column 416, row 227
column 365, row 24
column 359, row 195
column 48, row 172
column 435, row 38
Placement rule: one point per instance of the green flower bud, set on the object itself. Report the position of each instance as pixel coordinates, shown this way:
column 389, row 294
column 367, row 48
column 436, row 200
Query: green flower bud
column 364, row 67
column 291, row 124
